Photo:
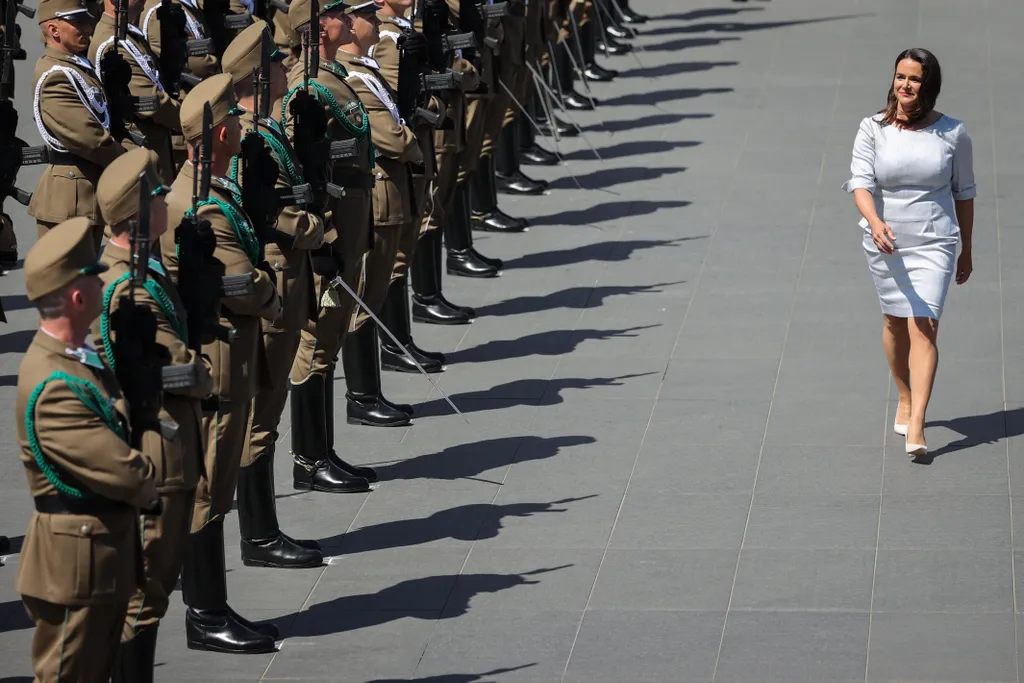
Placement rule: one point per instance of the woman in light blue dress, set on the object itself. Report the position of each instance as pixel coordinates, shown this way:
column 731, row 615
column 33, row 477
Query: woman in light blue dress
column 913, row 182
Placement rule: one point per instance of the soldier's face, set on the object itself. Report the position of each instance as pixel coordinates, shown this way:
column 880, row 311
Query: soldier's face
column 231, row 136
column 85, row 299
column 336, row 28
column 73, row 35
column 157, row 218
column 366, row 29
column 278, row 81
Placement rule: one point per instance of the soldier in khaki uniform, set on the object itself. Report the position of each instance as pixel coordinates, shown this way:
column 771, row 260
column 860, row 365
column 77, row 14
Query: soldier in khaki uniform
column 238, row 368
column 395, row 313
column 82, row 558
column 396, row 148
column 317, row 465
column 450, row 205
column 197, row 67
column 177, row 461
column 156, row 127
column 297, row 231
column 70, row 112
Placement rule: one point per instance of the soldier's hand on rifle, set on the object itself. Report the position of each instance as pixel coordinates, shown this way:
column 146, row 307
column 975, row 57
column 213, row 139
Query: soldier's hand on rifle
column 415, row 51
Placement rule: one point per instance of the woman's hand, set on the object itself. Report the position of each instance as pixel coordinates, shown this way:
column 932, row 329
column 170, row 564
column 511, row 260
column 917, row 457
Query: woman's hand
column 964, row 267
column 883, row 237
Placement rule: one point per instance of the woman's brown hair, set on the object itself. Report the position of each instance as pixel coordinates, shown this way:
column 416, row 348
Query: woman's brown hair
column 931, row 85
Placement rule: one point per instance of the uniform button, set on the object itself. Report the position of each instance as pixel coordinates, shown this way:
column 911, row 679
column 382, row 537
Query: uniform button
column 85, row 528
column 71, row 174
column 380, row 176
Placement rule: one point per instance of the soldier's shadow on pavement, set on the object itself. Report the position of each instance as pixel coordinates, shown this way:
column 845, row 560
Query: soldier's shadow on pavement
column 657, row 96
column 431, row 598
column 550, row 343
column 469, row 460
column 613, row 177
column 609, row 211
column 13, row 616
column 610, row 250
column 673, row 69
column 630, row 148
column 577, row 298
column 643, row 122
column 517, row 392
column 686, row 43
column 976, row 430
column 16, row 342
column 452, row 678
column 470, row 522
column 741, row 27
column 694, row 15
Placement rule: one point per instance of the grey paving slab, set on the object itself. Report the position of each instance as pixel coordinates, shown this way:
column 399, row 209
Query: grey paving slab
column 679, row 463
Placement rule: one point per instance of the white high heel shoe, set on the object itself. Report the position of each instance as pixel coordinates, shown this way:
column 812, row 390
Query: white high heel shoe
column 916, row 450
column 900, row 429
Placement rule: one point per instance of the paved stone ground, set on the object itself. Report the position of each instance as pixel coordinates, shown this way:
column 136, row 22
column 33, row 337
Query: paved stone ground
column 678, row 465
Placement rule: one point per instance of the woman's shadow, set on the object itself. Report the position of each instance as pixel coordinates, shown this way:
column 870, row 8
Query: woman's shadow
column 978, row 429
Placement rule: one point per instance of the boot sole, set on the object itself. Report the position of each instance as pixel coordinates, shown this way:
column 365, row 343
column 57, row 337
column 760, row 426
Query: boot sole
column 368, row 423
column 435, row 321
column 274, row 565
column 305, row 486
column 478, row 276
column 226, row 650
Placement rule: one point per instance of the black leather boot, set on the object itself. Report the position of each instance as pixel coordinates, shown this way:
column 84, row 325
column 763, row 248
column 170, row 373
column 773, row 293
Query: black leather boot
column 608, row 45
column 395, row 315
column 592, row 70
column 530, row 152
column 629, row 15
column 483, row 201
column 511, row 180
column 428, row 302
column 366, row 406
column 564, row 66
column 367, row 473
column 135, row 658
column 311, row 426
column 262, row 543
column 463, row 259
column 209, row 623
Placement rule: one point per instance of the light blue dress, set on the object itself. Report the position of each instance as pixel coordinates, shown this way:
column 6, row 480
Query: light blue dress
column 915, row 176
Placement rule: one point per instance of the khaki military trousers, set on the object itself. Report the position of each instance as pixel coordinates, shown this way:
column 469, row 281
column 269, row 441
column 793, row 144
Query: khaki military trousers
column 164, row 539
column 408, row 239
column 380, row 265
column 74, row 643
column 281, row 344
column 224, row 432
column 476, row 127
column 319, row 347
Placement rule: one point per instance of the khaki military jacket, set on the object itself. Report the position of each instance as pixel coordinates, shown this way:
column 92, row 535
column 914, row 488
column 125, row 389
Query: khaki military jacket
column 354, row 173
column 158, row 126
column 202, row 66
column 177, row 462
column 86, row 559
column 298, row 232
column 387, row 54
column 395, row 143
column 239, row 367
column 72, row 118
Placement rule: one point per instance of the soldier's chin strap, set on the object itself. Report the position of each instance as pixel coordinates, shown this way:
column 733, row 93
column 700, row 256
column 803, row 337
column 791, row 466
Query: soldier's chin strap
column 339, row 282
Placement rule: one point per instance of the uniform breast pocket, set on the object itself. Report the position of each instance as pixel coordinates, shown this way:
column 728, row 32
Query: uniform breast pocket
column 90, row 549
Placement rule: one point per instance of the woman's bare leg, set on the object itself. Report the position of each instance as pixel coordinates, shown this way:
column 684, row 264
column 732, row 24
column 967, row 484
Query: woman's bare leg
column 924, row 361
column 896, row 342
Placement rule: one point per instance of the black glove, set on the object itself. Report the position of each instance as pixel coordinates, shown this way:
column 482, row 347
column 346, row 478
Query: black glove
column 415, row 50
column 324, row 263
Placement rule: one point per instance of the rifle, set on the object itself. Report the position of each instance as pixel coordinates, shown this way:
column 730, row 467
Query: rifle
column 259, row 168
column 222, row 23
column 175, row 49
column 201, row 279
column 309, row 127
column 139, row 360
column 116, row 75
